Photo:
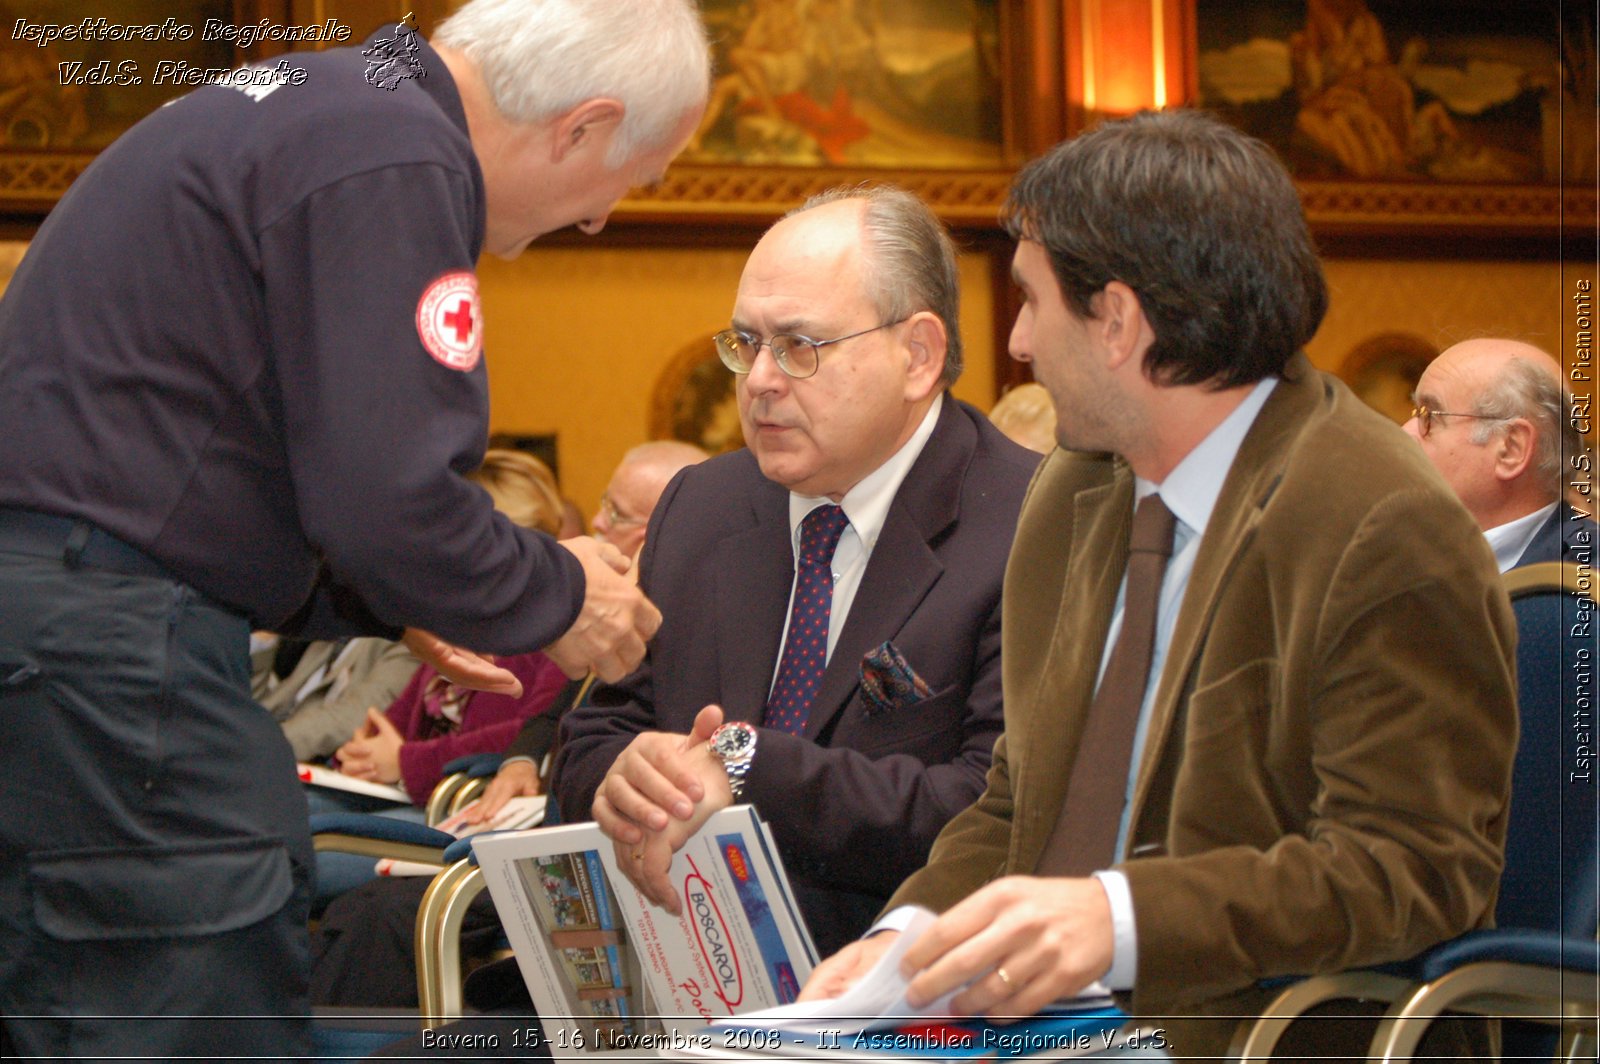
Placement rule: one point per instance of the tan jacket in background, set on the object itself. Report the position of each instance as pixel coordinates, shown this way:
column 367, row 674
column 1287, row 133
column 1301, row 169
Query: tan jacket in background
column 321, row 718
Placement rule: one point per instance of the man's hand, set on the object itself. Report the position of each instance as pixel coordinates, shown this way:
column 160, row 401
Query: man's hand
column 373, row 753
column 519, row 779
column 1021, row 942
column 616, row 620
column 659, row 791
column 844, row 969
column 461, row 666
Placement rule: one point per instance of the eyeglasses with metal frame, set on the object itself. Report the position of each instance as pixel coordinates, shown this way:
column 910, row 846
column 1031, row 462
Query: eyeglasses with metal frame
column 798, row 356
column 1424, row 416
column 615, row 517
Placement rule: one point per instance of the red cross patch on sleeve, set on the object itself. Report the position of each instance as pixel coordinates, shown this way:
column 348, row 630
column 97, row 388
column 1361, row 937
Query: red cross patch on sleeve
column 449, row 320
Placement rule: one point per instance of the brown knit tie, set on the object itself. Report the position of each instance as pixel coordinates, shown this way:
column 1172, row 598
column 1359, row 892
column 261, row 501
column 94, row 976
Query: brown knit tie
column 1085, row 835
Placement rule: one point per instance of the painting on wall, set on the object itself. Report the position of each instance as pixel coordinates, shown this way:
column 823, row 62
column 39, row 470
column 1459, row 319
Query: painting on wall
column 75, row 74
column 1383, row 371
column 80, row 91
column 693, row 400
column 876, row 83
column 1466, row 91
column 809, row 94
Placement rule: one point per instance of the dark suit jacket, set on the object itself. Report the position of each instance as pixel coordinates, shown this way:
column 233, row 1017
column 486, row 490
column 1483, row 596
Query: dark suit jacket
column 1564, row 534
column 1329, row 757
column 855, row 803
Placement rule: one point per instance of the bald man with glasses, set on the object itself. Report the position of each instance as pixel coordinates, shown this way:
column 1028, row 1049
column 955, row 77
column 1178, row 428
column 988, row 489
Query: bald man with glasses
column 858, row 728
column 1492, row 416
column 831, row 594
column 635, row 486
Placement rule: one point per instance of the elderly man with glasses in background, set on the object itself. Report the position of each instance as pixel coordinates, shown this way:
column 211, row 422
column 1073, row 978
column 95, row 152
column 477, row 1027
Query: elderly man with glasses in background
column 1492, row 416
column 635, row 486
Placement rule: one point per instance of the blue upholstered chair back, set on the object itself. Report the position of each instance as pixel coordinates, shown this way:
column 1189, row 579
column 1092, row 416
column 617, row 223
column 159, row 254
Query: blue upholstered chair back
column 1550, row 880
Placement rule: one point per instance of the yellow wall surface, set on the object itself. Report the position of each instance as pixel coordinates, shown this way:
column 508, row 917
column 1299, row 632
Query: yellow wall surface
column 1441, row 302
column 1549, row 304
column 576, row 337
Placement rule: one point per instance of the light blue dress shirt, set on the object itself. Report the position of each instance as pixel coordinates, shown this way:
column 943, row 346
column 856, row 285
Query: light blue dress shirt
column 1190, row 492
column 1510, row 540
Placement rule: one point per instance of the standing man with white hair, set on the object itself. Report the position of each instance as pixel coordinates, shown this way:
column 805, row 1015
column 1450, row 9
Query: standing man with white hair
column 1492, row 416
column 244, row 352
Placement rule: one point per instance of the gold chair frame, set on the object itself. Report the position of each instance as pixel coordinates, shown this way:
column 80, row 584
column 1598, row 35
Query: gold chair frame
column 438, row 940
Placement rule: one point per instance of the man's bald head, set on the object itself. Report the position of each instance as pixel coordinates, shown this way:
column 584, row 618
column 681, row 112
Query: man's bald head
column 636, row 487
column 1503, row 450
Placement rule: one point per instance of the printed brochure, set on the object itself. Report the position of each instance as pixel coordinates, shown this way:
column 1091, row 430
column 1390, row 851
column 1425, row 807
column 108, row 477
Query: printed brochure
column 607, row 970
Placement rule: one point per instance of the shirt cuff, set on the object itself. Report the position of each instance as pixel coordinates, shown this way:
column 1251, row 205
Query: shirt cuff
column 517, row 758
column 1124, row 944
column 893, row 920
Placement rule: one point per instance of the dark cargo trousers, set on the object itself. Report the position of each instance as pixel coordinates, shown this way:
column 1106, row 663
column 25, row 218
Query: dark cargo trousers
column 154, row 854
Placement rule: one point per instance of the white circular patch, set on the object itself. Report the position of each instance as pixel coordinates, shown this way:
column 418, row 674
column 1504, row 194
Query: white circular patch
column 449, row 321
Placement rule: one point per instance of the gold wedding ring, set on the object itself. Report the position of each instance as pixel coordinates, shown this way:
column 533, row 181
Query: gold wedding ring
column 1004, row 978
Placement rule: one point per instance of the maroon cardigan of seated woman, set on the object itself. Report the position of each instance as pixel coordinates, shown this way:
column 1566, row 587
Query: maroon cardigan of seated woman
column 488, row 721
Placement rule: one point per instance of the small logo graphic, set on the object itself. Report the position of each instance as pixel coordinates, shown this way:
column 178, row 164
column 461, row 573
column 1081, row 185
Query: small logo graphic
column 391, row 60
column 449, row 321
column 735, row 861
column 712, row 939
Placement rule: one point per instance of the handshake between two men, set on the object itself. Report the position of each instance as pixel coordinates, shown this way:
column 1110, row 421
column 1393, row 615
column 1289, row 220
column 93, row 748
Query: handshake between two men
column 608, row 637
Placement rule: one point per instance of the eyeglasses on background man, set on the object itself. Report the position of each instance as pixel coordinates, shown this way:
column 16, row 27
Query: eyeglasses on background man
column 1424, row 415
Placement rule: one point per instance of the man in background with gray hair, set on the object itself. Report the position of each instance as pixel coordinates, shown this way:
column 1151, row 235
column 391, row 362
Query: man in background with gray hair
column 635, row 487
column 245, row 353
column 1493, row 417
column 630, row 498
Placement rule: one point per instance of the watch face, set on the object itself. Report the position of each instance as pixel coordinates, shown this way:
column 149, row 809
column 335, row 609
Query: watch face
column 732, row 740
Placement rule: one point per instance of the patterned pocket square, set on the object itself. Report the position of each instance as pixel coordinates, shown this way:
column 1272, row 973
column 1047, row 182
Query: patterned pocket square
column 888, row 681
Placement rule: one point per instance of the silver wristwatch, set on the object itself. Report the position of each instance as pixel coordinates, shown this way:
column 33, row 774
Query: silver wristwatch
column 735, row 745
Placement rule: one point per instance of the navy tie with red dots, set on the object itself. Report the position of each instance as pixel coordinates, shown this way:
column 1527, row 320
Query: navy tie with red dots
column 805, row 651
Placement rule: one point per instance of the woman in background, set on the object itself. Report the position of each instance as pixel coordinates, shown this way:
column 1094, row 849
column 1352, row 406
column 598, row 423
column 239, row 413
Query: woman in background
column 433, row 721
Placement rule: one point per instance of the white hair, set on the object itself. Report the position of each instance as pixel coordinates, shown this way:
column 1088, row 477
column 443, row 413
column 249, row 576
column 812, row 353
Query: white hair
column 1527, row 390
column 541, row 58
